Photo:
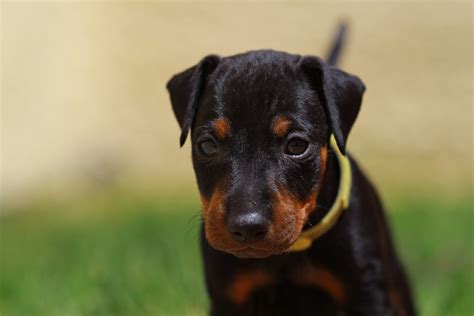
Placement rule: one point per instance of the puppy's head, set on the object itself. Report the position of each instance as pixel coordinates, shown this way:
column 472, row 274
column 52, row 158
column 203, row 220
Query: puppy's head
column 260, row 124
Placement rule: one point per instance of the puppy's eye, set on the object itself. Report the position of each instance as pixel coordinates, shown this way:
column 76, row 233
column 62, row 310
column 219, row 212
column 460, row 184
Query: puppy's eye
column 296, row 147
column 208, row 147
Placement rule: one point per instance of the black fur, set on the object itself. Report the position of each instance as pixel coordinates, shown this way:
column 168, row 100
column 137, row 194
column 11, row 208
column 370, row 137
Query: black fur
column 341, row 94
column 250, row 90
column 185, row 91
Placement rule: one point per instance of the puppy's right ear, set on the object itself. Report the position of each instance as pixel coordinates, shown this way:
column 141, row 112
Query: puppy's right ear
column 185, row 90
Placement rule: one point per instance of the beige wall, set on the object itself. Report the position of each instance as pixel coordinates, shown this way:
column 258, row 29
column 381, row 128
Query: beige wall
column 84, row 99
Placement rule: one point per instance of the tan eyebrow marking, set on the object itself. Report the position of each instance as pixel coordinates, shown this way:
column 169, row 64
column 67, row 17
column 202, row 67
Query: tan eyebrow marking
column 221, row 127
column 281, row 125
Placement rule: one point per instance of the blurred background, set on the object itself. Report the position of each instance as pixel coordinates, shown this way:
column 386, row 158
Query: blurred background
column 99, row 210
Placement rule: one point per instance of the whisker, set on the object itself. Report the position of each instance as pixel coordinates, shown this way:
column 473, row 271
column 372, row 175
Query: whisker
column 323, row 207
column 193, row 223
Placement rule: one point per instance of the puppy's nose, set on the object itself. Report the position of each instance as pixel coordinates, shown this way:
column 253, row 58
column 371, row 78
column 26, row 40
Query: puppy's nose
column 248, row 227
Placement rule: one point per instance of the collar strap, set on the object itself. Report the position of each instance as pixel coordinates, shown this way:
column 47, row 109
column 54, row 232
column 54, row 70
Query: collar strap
column 307, row 237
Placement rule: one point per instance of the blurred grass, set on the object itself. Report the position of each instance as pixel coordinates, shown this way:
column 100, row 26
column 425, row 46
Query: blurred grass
column 125, row 256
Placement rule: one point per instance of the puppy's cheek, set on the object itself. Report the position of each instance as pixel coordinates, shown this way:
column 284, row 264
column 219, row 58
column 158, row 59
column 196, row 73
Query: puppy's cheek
column 214, row 225
column 212, row 215
column 288, row 219
column 290, row 215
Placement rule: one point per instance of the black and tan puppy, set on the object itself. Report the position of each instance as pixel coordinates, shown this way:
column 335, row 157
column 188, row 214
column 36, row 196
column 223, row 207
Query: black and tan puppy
column 260, row 128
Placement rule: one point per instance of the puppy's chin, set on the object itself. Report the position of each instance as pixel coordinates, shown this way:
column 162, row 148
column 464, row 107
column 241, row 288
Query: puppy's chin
column 259, row 250
column 252, row 253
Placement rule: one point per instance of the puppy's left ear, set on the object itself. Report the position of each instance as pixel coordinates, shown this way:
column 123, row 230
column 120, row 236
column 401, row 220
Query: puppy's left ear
column 186, row 89
column 341, row 94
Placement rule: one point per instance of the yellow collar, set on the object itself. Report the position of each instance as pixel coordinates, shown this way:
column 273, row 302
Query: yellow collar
column 307, row 237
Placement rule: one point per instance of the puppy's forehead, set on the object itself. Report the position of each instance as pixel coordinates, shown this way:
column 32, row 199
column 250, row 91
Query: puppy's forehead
column 253, row 89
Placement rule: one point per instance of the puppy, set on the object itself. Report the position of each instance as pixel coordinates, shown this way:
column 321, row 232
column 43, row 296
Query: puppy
column 291, row 225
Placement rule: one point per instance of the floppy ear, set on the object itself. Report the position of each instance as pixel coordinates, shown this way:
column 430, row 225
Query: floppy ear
column 341, row 94
column 185, row 90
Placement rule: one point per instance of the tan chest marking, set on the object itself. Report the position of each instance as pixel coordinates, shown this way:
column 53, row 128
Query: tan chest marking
column 322, row 278
column 245, row 283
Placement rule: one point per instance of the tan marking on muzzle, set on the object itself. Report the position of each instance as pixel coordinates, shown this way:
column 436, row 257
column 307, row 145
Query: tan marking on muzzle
column 290, row 215
column 213, row 215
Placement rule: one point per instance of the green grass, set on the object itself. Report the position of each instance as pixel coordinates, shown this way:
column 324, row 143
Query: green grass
column 141, row 258
column 435, row 239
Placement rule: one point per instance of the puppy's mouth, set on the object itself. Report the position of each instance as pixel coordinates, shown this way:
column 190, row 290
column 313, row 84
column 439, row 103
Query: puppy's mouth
column 277, row 240
column 289, row 215
column 252, row 252
column 259, row 249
